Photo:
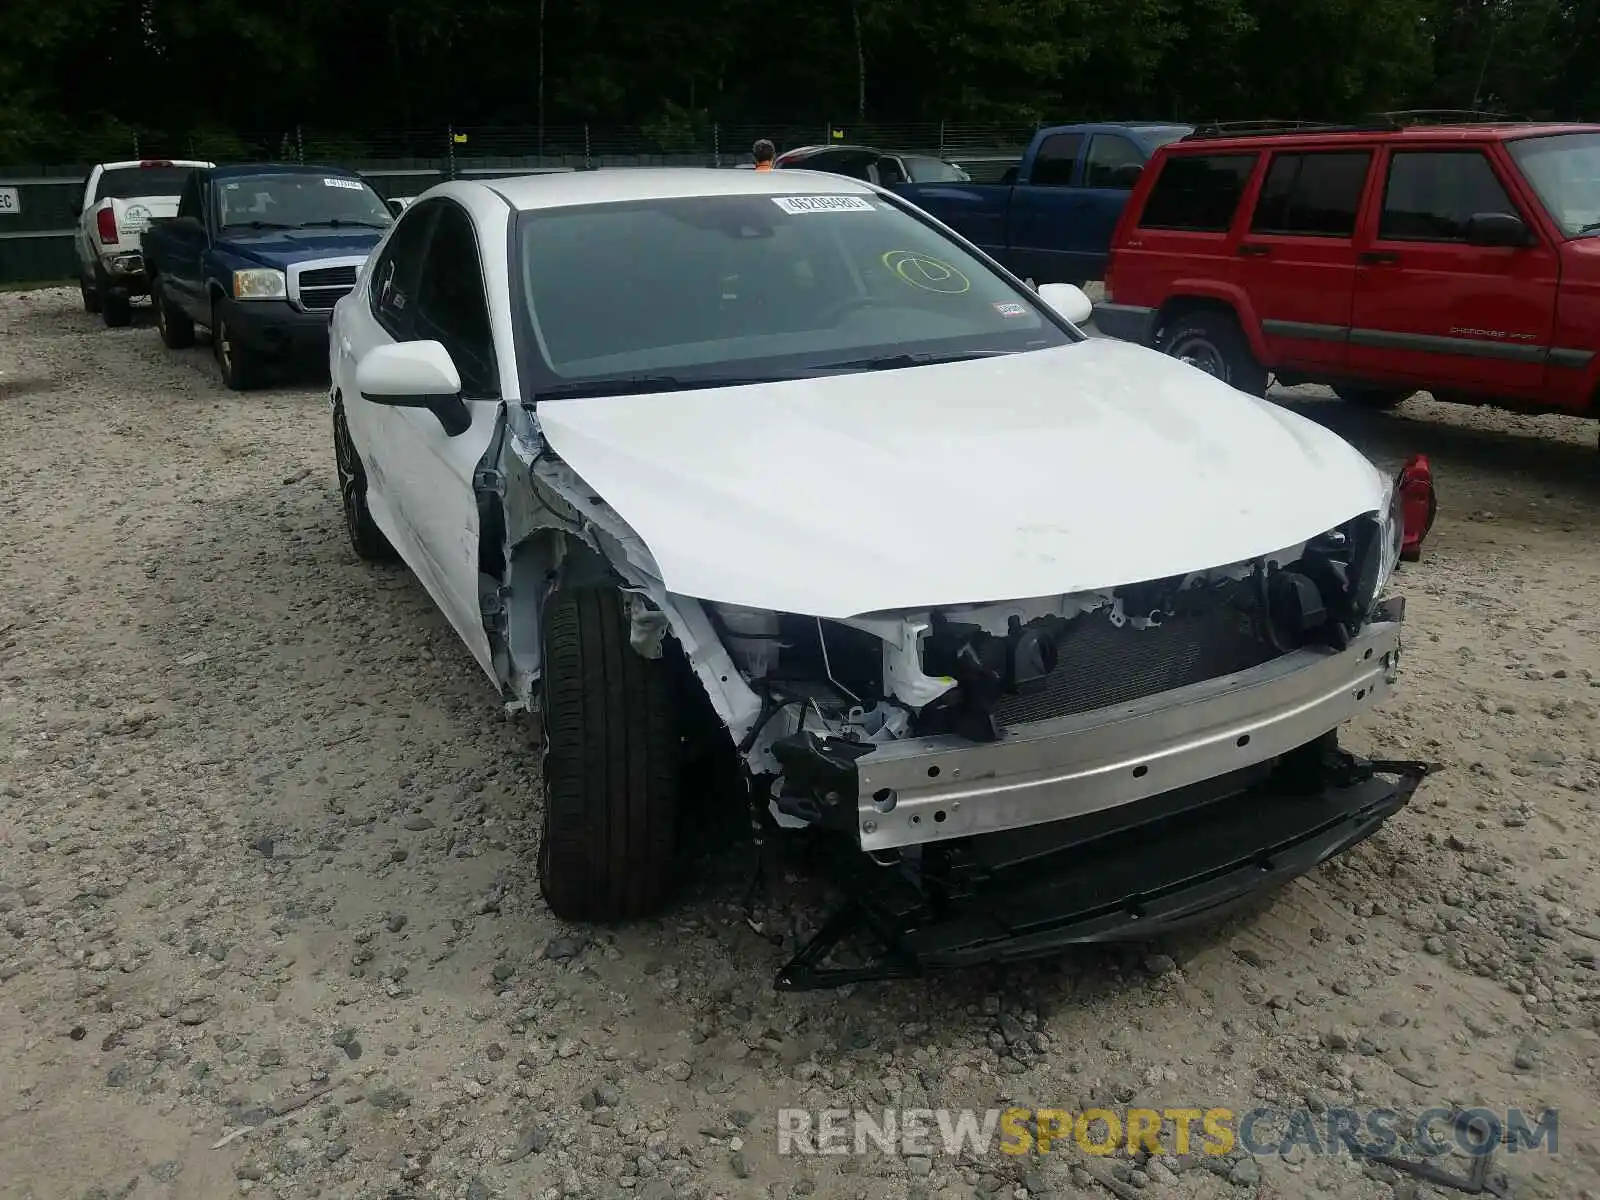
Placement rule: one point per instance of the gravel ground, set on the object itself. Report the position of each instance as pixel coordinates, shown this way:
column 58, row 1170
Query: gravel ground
column 265, row 866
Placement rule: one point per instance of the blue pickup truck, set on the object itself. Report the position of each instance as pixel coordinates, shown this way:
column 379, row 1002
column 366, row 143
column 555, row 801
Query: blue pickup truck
column 1050, row 218
column 259, row 255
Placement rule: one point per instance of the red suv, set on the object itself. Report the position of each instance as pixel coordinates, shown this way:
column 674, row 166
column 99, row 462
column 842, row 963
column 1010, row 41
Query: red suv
column 1459, row 259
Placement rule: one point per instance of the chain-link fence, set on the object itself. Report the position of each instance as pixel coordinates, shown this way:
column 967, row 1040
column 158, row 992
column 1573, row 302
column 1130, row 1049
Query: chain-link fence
column 37, row 219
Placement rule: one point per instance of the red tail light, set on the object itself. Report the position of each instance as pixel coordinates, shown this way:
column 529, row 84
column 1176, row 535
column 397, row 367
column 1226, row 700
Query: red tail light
column 1418, row 505
column 105, row 222
column 156, row 162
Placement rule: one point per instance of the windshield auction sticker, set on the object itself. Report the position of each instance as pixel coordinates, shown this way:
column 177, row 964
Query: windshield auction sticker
column 348, row 184
column 796, row 205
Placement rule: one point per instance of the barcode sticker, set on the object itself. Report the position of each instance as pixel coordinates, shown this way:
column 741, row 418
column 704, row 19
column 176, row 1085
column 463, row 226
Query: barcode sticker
column 797, row 205
column 348, row 184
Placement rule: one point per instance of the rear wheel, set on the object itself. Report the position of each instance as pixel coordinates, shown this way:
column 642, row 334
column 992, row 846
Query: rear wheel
column 115, row 310
column 1372, row 397
column 1212, row 341
column 366, row 539
column 175, row 328
column 611, row 764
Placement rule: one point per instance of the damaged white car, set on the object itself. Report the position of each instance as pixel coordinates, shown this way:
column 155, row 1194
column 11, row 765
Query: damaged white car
column 1050, row 636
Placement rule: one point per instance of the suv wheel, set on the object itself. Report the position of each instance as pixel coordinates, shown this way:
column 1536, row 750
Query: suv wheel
column 1213, row 342
column 366, row 539
column 1372, row 397
column 611, row 762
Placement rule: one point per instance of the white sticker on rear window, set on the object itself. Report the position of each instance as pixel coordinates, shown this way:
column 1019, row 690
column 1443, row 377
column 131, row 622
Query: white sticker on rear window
column 795, row 205
column 349, row 184
column 1010, row 308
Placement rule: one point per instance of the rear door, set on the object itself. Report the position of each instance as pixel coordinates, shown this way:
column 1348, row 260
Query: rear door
column 1430, row 309
column 1042, row 209
column 186, row 239
column 1297, row 260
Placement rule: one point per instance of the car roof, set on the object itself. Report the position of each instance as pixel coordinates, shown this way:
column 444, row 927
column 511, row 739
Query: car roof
column 1477, row 132
column 618, row 185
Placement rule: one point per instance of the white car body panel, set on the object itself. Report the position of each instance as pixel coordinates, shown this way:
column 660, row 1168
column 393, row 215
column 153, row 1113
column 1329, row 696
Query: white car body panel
column 1020, row 476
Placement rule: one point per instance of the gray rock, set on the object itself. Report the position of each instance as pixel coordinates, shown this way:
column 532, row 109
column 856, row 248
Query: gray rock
column 417, row 824
column 166, row 1172
column 389, row 1099
column 562, row 949
column 477, row 1189
column 1245, row 1173
column 739, row 1165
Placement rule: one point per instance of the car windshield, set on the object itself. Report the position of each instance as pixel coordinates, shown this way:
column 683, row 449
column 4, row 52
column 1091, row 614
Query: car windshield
column 693, row 291
column 295, row 201
column 127, row 183
column 1564, row 170
column 934, row 170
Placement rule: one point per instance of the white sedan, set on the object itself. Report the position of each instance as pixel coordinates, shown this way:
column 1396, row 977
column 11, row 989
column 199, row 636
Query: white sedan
column 1054, row 632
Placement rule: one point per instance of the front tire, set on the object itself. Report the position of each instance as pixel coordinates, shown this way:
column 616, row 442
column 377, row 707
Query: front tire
column 366, row 539
column 1213, row 342
column 175, row 328
column 611, row 764
column 1377, row 398
column 235, row 360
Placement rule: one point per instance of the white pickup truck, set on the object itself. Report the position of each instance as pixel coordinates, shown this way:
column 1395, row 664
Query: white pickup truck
column 120, row 200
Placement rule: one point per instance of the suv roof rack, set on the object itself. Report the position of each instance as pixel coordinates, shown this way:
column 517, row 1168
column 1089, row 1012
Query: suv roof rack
column 1260, row 128
column 1376, row 123
column 1402, row 117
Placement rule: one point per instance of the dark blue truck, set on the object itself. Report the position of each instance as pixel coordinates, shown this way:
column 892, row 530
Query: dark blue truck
column 259, row 254
column 1050, row 218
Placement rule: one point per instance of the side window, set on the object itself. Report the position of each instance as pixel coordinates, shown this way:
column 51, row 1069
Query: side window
column 1312, row 194
column 889, row 170
column 451, row 304
column 1112, row 162
column 393, row 289
column 1432, row 194
column 1197, row 192
column 189, row 198
column 1058, row 154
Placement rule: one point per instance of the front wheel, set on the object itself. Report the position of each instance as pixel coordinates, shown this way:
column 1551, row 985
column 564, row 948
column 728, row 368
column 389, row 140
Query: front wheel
column 611, row 764
column 234, row 359
column 1213, row 342
column 1372, row 397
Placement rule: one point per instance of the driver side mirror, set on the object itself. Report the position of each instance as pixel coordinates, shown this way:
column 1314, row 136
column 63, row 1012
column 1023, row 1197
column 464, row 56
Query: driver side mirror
column 1497, row 229
column 416, row 375
column 1066, row 301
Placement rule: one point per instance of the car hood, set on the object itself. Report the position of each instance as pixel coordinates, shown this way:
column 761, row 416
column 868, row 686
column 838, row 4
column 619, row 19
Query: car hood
column 280, row 247
column 1037, row 474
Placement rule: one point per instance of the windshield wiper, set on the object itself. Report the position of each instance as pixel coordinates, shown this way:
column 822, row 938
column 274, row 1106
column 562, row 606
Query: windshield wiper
column 339, row 222
column 255, row 225
column 1589, row 228
column 639, row 384
column 895, row 362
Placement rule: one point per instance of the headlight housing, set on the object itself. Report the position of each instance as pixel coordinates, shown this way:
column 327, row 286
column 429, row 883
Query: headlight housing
column 260, row 283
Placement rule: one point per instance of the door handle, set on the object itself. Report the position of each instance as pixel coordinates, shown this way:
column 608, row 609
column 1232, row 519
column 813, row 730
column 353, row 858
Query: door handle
column 1376, row 258
column 1252, row 250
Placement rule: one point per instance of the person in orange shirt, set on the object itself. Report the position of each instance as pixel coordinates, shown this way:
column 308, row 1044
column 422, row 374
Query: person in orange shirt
column 764, row 152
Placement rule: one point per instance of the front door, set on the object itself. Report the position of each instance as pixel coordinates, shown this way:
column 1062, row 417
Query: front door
column 422, row 476
column 1432, row 310
column 1297, row 262
column 1041, row 209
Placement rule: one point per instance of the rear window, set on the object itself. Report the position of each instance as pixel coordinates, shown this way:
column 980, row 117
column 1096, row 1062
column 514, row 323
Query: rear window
column 1312, row 194
column 1198, row 192
column 125, row 183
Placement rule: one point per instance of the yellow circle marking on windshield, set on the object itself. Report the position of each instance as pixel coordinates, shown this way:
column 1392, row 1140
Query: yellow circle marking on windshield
column 928, row 273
